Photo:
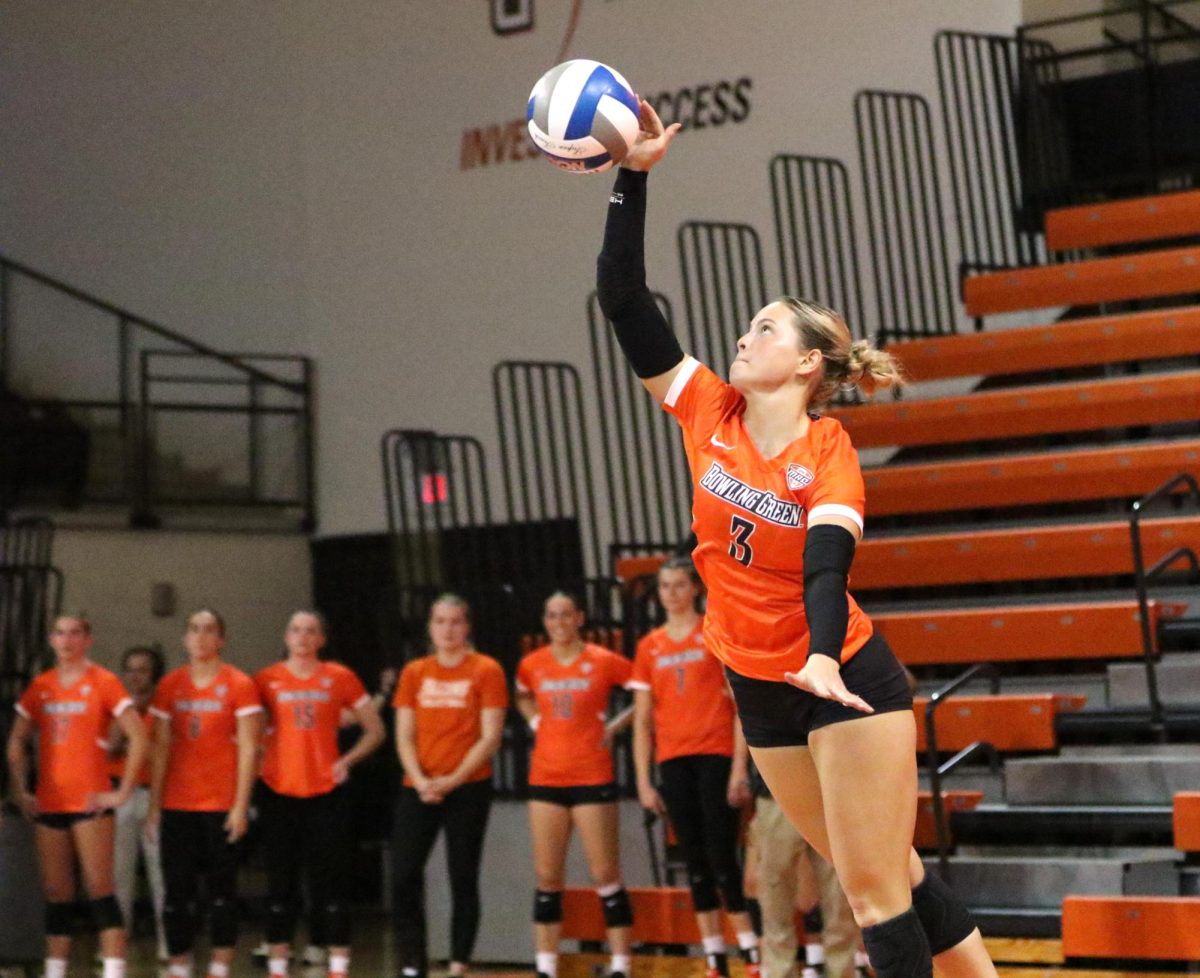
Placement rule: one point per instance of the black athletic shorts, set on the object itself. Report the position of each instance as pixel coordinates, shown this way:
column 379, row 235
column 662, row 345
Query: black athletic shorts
column 778, row 714
column 64, row 820
column 580, row 794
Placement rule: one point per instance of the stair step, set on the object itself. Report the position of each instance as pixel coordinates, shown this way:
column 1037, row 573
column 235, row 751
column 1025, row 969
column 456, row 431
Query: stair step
column 1018, row 922
column 1178, row 681
column 1099, row 780
column 1063, row 825
column 1041, row 882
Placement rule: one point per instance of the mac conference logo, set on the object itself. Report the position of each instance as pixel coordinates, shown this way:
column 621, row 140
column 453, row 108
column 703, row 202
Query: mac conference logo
column 511, row 16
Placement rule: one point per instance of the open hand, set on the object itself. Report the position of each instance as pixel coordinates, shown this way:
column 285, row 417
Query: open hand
column 822, row 676
column 652, row 138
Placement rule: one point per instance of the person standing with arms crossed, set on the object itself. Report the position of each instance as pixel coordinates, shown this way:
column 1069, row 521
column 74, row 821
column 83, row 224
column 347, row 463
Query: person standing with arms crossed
column 450, row 708
column 304, row 818
column 684, row 720
column 778, row 511
column 207, row 726
column 69, row 708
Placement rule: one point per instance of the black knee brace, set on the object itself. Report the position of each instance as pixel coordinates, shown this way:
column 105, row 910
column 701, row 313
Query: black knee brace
column 335, row 931
column 754, row 909
column 704, row 892
column 281, row 921
column 223, row 922
column 179, row 922
column 547, row 906
column 106, row 913
column 945, row 918
column 60, row 919
column 898, row 947
column 732, row 893
column 618, row 911
column 814, row 923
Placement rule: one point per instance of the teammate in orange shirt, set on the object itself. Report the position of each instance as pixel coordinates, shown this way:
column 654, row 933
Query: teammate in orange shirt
column 141, row 669
column 450, row 708
column 69, row 708
column 778, row 510
column 684, row 719
column 305, row 821
column 205, row 747
column 563, row 691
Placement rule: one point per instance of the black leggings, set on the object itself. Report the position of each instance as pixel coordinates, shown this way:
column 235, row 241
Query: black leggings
column 195, row 845
column 694, row 790
column 464, row 815
column 310, row 834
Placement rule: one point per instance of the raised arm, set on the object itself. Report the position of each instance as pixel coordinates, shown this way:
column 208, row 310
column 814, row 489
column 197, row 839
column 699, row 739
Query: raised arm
column 646, row 339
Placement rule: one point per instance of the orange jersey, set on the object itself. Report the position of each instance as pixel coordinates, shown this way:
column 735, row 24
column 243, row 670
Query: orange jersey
column 116, row 765
column 749, row 515
column 202, row 763
column 72, row 724
column 446, row 704
column 693, row 712
column 303, row 716
column 568, row 748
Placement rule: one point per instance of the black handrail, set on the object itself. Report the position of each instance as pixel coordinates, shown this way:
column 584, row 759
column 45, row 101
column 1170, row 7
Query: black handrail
column 938, row 771
column 1142, row 577
column 125, row 317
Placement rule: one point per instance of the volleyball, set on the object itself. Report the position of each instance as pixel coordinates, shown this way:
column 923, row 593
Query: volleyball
column 583, row 116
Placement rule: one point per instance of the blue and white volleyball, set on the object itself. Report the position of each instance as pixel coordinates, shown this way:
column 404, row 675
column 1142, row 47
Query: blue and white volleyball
column 583, row 116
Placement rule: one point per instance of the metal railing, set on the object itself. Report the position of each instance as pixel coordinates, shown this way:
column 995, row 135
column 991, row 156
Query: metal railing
column 723, row 286
column 914, row 291
column 815, row 232
column 938, row 770
column 1143, row 576
column 101, row 372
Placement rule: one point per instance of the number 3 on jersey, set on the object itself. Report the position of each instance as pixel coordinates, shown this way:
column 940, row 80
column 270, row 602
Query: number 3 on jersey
column 739, row 546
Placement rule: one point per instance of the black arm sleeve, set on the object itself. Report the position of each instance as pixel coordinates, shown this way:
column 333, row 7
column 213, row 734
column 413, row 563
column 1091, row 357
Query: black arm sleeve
column 828, row 553
column 646, row 339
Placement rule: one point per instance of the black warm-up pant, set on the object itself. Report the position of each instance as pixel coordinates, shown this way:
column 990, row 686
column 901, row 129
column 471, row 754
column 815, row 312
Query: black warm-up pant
column 312, row 835
column 463, row 814
column 194, row 846
column 694, row 790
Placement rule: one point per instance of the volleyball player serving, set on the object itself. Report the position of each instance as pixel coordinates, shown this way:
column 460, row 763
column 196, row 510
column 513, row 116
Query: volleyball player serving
column 778, row 510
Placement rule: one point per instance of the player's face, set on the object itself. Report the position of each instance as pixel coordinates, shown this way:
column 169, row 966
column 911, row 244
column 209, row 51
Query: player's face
column 769, row 353
column 70, row 639
column 304, row 635
column 562, row 620
column 448, row 627
column 138, row 675
column 203, row 639
column 676, row 591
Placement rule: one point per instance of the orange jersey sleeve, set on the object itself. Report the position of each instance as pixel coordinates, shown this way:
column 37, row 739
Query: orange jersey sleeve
column 693, row 713
column 304, row 715
column 447, row 705
column 202, row 763
column 72, row 725
column 572, row 700
column 750, row 515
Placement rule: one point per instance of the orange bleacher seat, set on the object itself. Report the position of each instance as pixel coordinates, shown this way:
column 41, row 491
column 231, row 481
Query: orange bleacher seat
column 1175, row 271
column 1020, row 633
column 661, row 915
column 1092, row 405
column 1160, row 334
column 925, row 833
column 1021, row 554
column 1009, row 722
column 1152, row 218
column 1185, row 820
column 1130, row 927
column 1018, row 480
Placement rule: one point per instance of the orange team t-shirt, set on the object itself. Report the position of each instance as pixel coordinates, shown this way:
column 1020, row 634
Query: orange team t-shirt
column 693, row 712
column 116, row 765
column 446, row 704
column 72, row 724
column 568, row 748
column 202, row 763
column 749, row 516
column 302, row 717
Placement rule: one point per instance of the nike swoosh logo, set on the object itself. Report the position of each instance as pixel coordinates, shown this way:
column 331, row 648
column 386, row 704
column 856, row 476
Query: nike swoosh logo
column 720, row 444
